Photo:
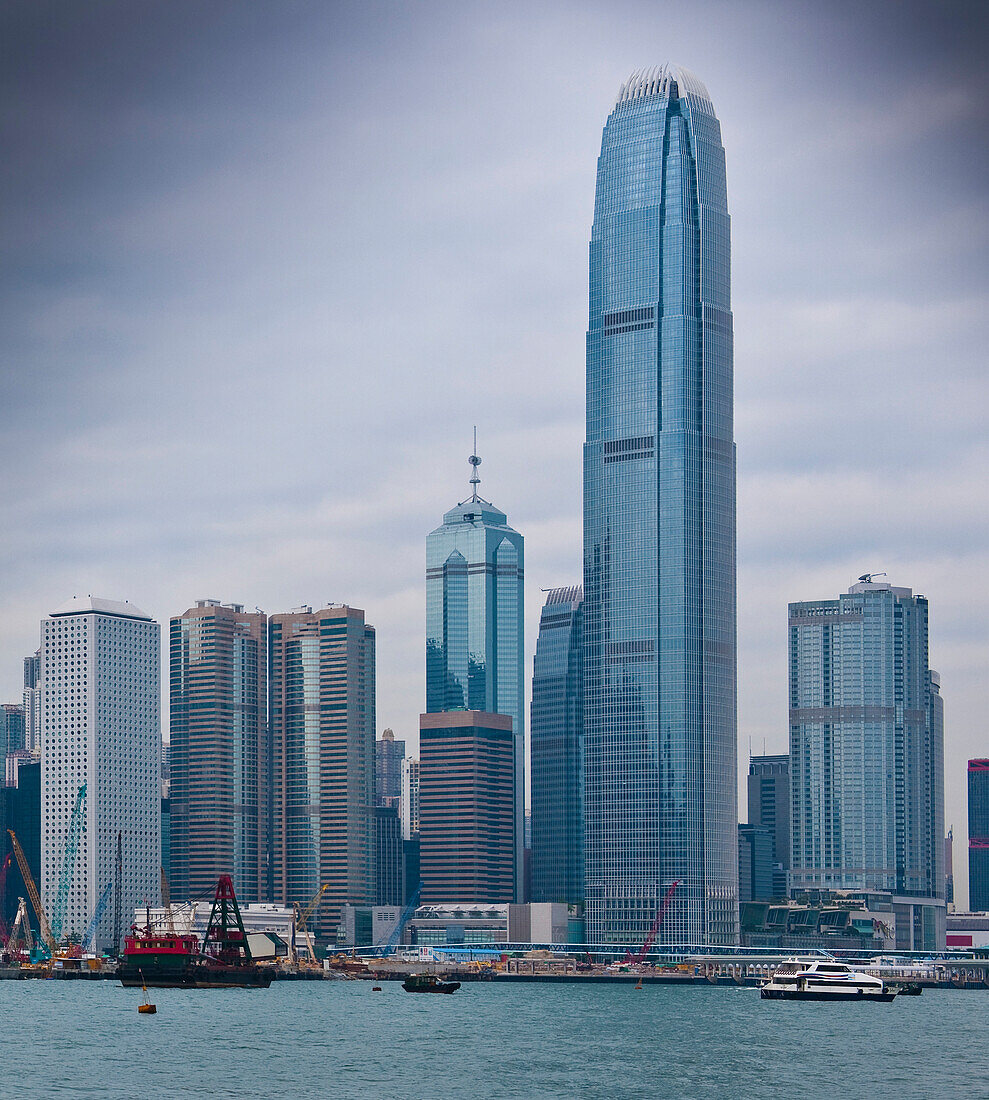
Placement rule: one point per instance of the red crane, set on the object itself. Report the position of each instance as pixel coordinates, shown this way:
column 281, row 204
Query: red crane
column 644, row 950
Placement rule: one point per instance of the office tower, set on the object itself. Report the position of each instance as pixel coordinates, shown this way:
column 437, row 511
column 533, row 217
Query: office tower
column 20, row 811
column 217, row 758
column 100, row 714
column 949, row 869
column 755, row 863
column 474, row 622
column 866, row 747
column 660, row 801
column 389, row 856
column 32, row 702
column 388, row 757
column 322, row 717
column 466, row 807
column 769, row 805
column 408, row 808
column 556, row 744
column 978, row 836
column 11, row 728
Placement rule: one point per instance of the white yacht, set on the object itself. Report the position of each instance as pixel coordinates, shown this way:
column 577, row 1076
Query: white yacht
column 823, row 980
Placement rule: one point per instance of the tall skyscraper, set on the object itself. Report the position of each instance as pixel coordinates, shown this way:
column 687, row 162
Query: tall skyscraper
column 11, row 728
column 556, row 750
column 20, row 811
column 409, row 803
column 475, row 622
column 769, row 805
column 218, row 759
column 660, row 799
column 322, row 717
column 866, row 751
column 32, row 702
column 466, row 807
column 100, row 704
column 388, row 757
column 978, row 836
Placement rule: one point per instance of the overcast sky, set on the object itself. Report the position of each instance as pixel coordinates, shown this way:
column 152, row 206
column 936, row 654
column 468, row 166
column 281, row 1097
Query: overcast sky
column 265, row 265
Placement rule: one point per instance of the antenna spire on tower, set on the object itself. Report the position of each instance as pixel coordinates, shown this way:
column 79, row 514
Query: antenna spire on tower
column 475, row 462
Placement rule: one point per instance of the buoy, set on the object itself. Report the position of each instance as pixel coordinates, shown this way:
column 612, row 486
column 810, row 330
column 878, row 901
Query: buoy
column 375, row 988
column 147, row 1008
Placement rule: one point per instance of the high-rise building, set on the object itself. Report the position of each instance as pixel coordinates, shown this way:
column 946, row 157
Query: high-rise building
column 322, row 718
column 218, row 759
column 755, row 863
column 389, row 856
column 474, row 622
column 769, row 805
column 466, row 807
column 32, row 702
column 11, row 728
column 20, row 811
column 978, row 836
column 949, row 869
column 389, row 755
column 866, row 752
column 660, row 800
column 100, row 717
column 409, row 804
column 556, row 751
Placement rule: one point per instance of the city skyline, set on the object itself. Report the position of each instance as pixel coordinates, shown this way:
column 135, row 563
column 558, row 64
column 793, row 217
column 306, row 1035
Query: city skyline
column 839, row 322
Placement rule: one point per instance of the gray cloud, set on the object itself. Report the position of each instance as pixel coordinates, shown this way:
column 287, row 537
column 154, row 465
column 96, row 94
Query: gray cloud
column 266, row 265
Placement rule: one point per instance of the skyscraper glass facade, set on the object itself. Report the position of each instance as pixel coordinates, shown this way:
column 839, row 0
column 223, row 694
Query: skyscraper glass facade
column 475, row 623
column 978, row 836
column 556, row 745
column 659, row 525
column 866, row 748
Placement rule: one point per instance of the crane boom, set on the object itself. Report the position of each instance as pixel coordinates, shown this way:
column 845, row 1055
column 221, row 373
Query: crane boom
column 67, row 864
column 403, row 920
column 166, row 900
column 644, row 950
column 303, row 915
column 21, row 922
column 46, row 932
column 98, row 912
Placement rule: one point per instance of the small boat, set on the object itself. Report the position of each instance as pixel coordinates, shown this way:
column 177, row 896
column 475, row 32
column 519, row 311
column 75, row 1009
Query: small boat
column 428, row 983
column 823, row 980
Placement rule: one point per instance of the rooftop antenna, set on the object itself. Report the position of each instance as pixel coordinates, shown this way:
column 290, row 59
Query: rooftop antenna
column 475, row 462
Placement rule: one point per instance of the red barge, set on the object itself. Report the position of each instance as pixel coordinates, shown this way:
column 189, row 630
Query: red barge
column 170, row 959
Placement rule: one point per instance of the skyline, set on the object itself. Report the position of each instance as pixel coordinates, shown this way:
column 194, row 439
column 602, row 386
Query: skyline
column 197, row 228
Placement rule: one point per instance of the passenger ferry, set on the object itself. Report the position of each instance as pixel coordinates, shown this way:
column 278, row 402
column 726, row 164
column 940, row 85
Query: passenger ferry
column 823, row 980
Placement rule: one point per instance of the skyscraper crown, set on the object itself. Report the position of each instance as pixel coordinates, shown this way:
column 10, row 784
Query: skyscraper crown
column 661, row 80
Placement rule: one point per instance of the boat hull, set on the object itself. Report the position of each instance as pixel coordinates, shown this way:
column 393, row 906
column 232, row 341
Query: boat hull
column 825, row 995
column 438, row 987
column 198, row 977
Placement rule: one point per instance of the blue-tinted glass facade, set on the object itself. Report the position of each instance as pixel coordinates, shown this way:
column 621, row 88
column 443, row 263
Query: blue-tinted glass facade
column 474, row 623
column 659, row 525
column 978, row 836
column 866, row 746
column 556, row 745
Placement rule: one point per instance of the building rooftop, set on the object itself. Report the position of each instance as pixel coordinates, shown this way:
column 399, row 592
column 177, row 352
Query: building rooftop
column 81, row 605
column 658, row 81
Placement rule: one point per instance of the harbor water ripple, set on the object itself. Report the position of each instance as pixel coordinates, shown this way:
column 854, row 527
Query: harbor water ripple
column 342, row 1040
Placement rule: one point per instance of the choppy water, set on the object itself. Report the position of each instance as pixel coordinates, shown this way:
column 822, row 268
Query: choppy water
column 340, row 1039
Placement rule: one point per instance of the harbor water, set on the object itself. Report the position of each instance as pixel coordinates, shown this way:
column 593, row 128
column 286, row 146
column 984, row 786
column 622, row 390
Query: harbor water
column 342, row 1039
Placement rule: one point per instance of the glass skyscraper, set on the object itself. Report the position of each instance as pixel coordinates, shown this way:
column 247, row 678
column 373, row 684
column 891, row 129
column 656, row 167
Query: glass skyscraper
column 866, row 752
column 556, row 744
column 474, row 621
column 978, row 836
column 659, row 525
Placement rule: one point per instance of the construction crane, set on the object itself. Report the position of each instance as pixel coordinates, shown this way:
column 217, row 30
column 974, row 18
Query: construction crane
column 87, row 940
column 303, row 915
column 21, row 922
column 32, row 890
column 403, row 920
column 3, row 892
column 644, row 950
column 67, row 864
column 166, row 901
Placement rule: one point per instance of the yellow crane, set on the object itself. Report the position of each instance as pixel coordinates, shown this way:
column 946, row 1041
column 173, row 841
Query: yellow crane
column 21, row 922
column 44, row 926
column 303, row 915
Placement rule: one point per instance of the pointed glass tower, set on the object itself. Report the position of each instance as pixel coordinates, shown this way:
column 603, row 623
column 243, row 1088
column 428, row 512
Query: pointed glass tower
column 474, row 620
column 659, row 525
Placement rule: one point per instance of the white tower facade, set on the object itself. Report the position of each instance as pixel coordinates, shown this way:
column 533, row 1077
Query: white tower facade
column 101, row 727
